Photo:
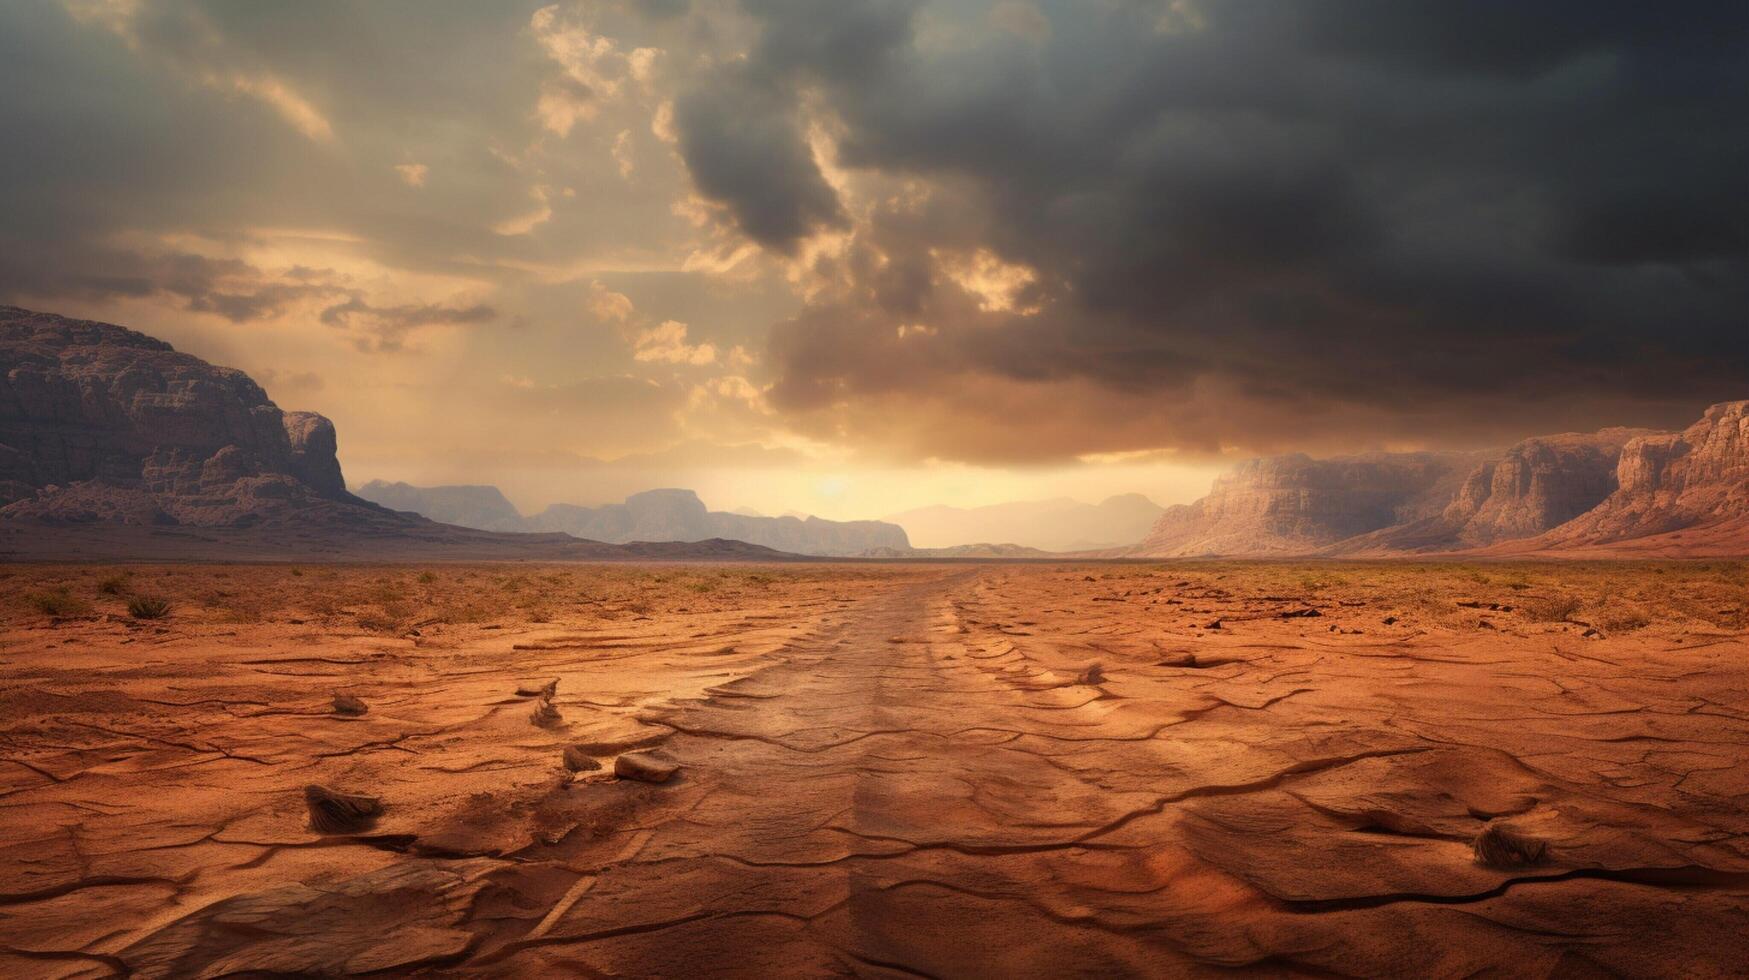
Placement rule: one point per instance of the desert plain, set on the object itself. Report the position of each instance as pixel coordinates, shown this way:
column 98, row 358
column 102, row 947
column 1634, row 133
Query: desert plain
column 1188, row 768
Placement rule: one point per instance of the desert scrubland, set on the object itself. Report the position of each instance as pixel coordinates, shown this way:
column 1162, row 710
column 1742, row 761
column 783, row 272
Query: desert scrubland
column 1186, row 768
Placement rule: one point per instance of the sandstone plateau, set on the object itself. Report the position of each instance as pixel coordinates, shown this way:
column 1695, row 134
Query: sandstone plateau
column 1626, row 491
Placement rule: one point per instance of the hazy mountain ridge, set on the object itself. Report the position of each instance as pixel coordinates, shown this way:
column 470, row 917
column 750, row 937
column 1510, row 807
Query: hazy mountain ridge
column 1060, row 524
column 476, row 506
column 654, row 515
column 1570, row 492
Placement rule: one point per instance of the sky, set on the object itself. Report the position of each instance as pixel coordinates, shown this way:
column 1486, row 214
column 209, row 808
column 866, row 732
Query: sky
column 851, row 258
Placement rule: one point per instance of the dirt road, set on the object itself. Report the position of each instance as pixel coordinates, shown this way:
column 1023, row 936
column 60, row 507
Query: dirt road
column 961, row 771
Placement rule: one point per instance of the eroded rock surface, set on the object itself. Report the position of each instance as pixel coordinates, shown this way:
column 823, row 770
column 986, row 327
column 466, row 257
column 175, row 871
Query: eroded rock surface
column 903, row 770
column 1697, row 478
column 1616, row 491
column 103, row 424
column 1297, row 505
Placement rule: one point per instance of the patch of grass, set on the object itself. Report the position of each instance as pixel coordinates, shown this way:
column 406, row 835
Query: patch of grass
column 426, row 578
column 113, row 585
column 148, row 607
column 58, row 602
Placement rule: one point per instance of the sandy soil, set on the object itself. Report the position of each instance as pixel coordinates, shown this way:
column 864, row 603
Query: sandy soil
column 949, row 770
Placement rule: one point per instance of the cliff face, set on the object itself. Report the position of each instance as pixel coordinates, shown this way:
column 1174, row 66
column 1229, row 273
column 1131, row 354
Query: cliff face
column 1522, row 492
column 1696, row 478
column 654, row 515
column 1536, row 485
column 100, row 423
column 1287, row 505
column 1624, row 490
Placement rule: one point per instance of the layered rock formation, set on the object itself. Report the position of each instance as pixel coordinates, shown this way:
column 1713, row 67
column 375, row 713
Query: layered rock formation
column 1695, row 480
column 654, row 515
column 99, row 423
column 1289, row 505
column 1536, row 485
column 1563, row 492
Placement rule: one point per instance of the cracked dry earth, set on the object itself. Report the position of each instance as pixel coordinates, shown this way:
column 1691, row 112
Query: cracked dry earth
column 912, row 770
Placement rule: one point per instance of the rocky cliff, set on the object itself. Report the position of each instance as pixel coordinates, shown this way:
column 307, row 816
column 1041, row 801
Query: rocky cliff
column 1696, row 480
column 654, row 515
column 1569, row 492
column 1290, row 505
column 100, row 423
column 1530, row 488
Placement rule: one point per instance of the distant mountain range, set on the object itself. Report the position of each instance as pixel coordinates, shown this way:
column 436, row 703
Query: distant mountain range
column 1047, row 525
column 115, row 445
column 1613, row 492
column 654, row 515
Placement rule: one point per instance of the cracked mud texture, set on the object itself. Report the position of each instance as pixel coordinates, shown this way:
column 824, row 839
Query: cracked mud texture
column 943, row 770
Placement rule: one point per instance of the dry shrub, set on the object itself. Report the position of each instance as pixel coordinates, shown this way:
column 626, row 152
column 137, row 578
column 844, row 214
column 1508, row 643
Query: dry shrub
column 58, row 602
column 1553, row 609
column 148, row 607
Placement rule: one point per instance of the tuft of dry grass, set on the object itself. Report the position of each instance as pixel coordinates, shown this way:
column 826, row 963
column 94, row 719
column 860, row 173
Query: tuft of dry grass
column 1557, row 608
column 58, row 602
column 148, row 607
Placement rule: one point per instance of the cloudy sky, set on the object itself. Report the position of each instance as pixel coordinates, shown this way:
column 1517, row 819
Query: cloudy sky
column 856, row 256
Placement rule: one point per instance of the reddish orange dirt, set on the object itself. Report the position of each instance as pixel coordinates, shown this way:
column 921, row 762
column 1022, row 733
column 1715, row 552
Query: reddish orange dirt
column 939, row 770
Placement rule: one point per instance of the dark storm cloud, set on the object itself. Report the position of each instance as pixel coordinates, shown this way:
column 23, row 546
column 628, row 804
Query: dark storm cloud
column 740, row 126
column 744, row 146
column 1499, row 209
